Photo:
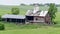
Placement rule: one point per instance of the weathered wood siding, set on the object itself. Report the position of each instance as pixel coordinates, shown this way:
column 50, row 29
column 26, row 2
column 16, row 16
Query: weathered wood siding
column 39, row 19
column 47, row 19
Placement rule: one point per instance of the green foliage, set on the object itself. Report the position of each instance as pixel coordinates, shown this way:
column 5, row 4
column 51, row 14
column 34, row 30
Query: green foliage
column 2, row 26
column 52, row 11
column 0, row 18
column 15, row 11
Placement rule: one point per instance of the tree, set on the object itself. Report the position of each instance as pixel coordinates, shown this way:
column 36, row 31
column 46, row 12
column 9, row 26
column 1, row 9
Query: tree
column 15, row 11
column 52, row 11
column 23, row 4
column 35, row 4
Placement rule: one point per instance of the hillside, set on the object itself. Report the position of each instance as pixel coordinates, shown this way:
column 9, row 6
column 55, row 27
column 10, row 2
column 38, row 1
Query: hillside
column 4, row 9
column 12, row 28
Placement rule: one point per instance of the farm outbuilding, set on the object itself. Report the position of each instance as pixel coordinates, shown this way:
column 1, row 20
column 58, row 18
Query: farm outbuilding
column 14, row 18
column 37, row 16
column 42, row 17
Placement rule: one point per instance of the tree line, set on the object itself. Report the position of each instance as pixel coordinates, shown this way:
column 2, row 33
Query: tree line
column 46, row 4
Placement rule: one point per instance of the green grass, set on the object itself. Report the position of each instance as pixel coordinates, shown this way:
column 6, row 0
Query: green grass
column 11, row 28
column 47, row 30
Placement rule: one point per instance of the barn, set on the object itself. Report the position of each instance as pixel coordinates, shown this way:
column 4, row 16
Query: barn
column 13, row 18
column 37, row 16
column 42, row 17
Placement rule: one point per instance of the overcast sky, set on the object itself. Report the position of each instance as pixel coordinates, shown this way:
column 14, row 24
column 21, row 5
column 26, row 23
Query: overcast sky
column 17, row 2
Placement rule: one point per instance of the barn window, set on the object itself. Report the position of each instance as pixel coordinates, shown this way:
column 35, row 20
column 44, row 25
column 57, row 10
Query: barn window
column 36, row 18
column 39, row 19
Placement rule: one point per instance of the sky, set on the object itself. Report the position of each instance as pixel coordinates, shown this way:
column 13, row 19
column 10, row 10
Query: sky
column 18, row 2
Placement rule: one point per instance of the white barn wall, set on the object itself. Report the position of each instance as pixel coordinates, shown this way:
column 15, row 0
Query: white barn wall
column 38, row 19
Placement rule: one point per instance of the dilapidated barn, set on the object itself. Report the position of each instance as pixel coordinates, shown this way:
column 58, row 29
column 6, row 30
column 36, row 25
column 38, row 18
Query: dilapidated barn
column 36, row 16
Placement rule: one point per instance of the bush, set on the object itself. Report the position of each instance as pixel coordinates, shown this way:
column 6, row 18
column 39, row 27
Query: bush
column 2, row 26
column 0, row 18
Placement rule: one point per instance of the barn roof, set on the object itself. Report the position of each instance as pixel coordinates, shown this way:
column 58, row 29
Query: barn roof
column 38, row 13
column 13, row 16
column 43, row 13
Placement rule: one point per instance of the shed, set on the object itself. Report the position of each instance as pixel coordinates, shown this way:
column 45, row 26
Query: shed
column 14, row 18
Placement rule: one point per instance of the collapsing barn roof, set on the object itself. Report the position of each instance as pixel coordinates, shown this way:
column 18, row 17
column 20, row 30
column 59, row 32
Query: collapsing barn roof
column 13, row 16
column 43, row 13
column 38, row 13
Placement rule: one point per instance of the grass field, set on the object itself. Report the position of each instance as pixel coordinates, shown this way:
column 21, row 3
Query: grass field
column 11, row 28
column 49, row 30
